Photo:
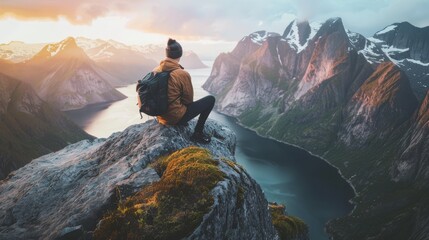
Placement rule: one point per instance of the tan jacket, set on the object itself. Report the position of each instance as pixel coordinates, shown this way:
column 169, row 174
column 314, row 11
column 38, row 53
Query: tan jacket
column 180, row 91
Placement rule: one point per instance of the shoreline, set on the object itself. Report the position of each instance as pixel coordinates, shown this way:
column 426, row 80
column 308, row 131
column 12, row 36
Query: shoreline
column 356, row 194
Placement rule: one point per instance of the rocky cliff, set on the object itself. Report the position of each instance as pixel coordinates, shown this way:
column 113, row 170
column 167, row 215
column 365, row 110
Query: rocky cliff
column 139, row 177
column 341, row 96
column 29, row 127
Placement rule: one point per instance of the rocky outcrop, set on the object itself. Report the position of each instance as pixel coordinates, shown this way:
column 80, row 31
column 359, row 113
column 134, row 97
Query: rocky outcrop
column 343, row 97
column 67, row 192
column 29, row 126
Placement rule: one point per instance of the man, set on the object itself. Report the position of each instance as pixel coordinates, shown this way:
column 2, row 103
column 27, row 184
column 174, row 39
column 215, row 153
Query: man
column 181, row 107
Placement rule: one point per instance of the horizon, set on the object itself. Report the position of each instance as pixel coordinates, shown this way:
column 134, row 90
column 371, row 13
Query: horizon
column 196, row 46
column 213, row 28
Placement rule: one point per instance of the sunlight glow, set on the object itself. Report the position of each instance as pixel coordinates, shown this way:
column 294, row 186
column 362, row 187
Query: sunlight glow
column 37, row 31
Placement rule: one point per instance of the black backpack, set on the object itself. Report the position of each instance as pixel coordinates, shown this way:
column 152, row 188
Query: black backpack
column 153, row 93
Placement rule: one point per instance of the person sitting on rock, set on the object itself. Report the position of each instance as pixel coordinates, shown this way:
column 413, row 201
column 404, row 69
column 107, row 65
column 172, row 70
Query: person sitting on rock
column 182, row 107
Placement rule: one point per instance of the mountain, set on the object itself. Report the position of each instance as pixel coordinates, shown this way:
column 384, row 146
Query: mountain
column 408, row 47
column 17, row 51
column 29, row 127
column 64, row 76
column 191, row 60
column 413, row 165
column 341, row 96
column 155, row 52
column 147, row 182
column 130, row 63
column 118, row 60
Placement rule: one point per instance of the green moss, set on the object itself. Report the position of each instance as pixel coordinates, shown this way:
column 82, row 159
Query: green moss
column 288, row 227
column 171, row 208
column 160, row 165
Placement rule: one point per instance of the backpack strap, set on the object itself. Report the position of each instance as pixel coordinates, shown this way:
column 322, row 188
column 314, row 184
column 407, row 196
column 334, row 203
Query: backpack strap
column 170, row 76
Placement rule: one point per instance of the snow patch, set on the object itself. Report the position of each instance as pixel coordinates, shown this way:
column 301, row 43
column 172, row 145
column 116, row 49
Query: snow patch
column 396, row 50
column 386, row 29
column 258, row 37
column 53, row 49
column 293, row 37
column 417, row 62
column 375, row 40
column 369, row 52
column 278, row 55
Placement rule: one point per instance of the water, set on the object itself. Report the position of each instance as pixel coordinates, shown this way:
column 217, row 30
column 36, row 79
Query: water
column 310, row 188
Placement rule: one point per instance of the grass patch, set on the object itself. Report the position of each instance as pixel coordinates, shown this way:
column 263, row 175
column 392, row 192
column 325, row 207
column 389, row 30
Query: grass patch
column 171, row 208
column 288, row 227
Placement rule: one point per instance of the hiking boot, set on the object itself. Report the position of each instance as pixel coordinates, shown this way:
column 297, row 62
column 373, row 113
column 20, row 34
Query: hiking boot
column 200, row 137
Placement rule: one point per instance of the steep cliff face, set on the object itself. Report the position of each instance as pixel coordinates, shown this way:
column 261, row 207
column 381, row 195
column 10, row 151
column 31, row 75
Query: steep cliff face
column 412, row 167
column 339, row 95
column 379, row 107
column 226, row 66
column 68, row 192
column 29, row 126
column 413, row 164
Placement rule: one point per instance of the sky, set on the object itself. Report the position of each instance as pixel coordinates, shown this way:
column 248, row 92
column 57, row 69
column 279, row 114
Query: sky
column 205, row 25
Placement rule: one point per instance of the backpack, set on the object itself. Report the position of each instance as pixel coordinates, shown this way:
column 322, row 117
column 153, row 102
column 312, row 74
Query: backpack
column 152, row 93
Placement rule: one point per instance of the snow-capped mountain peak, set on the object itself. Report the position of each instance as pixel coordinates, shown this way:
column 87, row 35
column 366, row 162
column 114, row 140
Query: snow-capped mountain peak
column 118, row 45
column 298, row 34
column 55, row 48
column 367, row 47
column 408, row 47
column 386, row 29
column 259, row 37
column 67, row 46
column 86, row 43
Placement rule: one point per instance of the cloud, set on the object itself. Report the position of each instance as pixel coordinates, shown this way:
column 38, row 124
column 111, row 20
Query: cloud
column 75, row 11
column 222, row 19
column 365, row 16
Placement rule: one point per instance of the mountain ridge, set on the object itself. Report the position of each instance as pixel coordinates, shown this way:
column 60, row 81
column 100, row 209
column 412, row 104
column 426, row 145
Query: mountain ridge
column 63, row 75
column 29, row 126
column 338, row 95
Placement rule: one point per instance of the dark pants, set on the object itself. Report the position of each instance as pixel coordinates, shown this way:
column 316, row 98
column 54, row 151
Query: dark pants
column 202, row 107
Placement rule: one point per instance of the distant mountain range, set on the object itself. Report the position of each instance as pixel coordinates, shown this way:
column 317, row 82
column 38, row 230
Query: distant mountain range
column 37, row 80
column 408, row 47
column 130, row 63
column 361, row 103
column 76, row 72
column 102, row 51
column 17, row 51
column 63, row 75
column 30, row 127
